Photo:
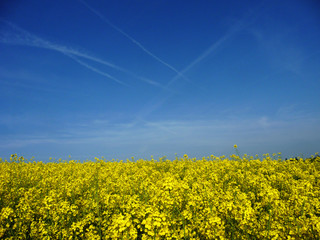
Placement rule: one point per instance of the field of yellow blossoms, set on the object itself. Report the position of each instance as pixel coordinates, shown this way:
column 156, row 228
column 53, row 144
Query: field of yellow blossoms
column 184, row 198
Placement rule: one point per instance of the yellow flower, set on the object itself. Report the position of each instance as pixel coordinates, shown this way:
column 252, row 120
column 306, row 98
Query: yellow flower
column 235, row 146
column 160, row 199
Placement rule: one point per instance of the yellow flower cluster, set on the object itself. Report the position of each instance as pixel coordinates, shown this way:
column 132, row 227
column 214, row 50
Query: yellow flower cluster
column 187, row 198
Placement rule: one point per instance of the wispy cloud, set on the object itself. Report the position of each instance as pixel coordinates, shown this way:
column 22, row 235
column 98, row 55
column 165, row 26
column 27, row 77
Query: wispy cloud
column 282, row 50
column 138, row 44
column 18, row 84
column 263, row 134
column 149, row 81
column 160, row 126
column 25, row 38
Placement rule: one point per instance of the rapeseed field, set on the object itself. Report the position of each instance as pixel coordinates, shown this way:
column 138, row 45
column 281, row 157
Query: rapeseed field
column 184, row 198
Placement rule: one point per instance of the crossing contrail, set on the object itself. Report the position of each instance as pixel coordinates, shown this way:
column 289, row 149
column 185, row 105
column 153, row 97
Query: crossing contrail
column 157, row 102
column 238, row 27
column 103, row 18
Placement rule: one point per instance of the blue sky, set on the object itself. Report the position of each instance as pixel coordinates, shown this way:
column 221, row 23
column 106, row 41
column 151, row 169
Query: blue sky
column 140, row 78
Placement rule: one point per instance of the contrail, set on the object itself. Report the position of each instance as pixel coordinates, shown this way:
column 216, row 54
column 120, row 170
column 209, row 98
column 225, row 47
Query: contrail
column 103, row 18
column 95, row 70
column 239, row 26
column 28, row 39
column 208, row 51
column 158, row 103
column 34, row 41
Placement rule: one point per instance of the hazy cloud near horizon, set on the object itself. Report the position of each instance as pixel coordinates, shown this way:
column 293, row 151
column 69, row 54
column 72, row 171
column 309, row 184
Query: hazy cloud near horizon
column 198, row 138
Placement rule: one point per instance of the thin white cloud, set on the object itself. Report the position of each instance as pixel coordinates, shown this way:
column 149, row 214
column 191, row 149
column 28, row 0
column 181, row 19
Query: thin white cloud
column 138, row 44
column 153, row 83
column 18, row 84
column 160, row 126
column 203, row 137
column 281, row 51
